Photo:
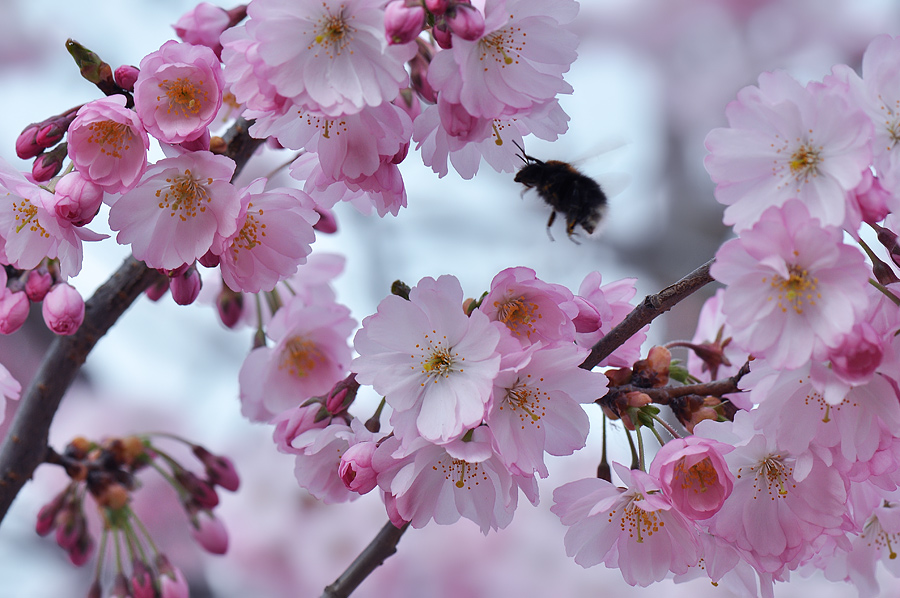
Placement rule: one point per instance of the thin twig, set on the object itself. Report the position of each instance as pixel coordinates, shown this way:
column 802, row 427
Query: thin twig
column 379, row 549
column 652, row 307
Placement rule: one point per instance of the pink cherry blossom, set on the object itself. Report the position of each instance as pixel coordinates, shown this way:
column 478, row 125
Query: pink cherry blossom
column 330, row 56
column 9, row 390
column 178, row 91
column 202, row 26
column 181, row 204
column 634, row 528
column 793, row 287
column 273, row 238
column 356, row 467
column 533, row 310
column 32, row 231
column 771, row 515
column 108, row 144
column 786, row 141
column 693, row 474
column 291, row 423
column 463, row 478
column 434, row 365
column 14, row 309
column 309, row 356
column 535, row 405
column 600, row 308
column 63, row 309
column 517, row 63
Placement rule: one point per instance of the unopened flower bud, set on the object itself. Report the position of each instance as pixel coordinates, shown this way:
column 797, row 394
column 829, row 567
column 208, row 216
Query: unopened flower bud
column 156, row 291
column 186, row 288
column 403, row 23
column 441, row 34
column 230, row 305
column 46, row 166
column 38, row 285
column 77, row 200
column 209, row 532
column 171, row 581
column 219, row 470
column 120, row 587
column 26, row 144
column 141, row 580
column 47, row 516
column 466, row 22
column 201, row 493
column 327, row 223
column 418, row 70
column 70, row 525
column 96, row 590
column 125, row 76
column 14, row 309
column 437, row 7
column 356, row 469
column 63, row 309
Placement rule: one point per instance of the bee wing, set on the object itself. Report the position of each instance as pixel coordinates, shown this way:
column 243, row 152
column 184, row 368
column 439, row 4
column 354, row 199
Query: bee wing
column 606, row 150
column 613, row 183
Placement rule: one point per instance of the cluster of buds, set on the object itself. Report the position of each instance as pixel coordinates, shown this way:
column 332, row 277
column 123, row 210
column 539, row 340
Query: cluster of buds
column 62, row 306
column 404, row 20
column 106, row 470
column 42, row 142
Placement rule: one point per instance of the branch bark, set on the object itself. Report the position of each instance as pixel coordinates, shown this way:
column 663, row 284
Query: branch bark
column 25, row 446
column 650, row 308
column 379, row 549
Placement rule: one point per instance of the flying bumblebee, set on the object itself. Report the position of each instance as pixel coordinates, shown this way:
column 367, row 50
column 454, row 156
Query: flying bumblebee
column 578, row 197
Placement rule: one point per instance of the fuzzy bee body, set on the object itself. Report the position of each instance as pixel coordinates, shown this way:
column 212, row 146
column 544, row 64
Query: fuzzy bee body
column 578, row 197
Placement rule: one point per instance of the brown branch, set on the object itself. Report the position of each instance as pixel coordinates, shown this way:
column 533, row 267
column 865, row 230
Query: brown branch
column 379, row 549
column 665, row 394
column 25, row 446
column 652, row 307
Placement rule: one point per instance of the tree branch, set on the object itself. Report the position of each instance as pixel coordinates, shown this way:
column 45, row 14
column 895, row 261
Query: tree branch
column 25, row 446
column 652, row 307
column 379, row 549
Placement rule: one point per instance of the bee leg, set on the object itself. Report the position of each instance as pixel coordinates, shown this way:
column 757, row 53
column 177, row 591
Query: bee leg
column 550, row 223
column 570, row 231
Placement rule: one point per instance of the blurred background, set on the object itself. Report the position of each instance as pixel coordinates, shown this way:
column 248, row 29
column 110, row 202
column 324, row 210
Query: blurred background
column 652, row 78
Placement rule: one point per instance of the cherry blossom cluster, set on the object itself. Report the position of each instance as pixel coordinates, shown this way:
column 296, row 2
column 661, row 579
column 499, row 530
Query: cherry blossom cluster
column 806, row 477
column 107, row 471
column 476, row 391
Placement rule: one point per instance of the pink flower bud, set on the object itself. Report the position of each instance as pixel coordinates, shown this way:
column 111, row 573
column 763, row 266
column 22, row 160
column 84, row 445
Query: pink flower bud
column 186, row 288
column 466, row 22
column 14, row 309
column 171, row 581
column 356, row 468
column 402, row 23
column 141, row 580
column 81, row 552
column 588, row 319
column 46, row 166
column 693, row 475
column 77, row 200
column 219, row 470
column 51, row 134
column 26, row 144
column 63, row 309
column 201, row 492
column 441, row 34
column 96, row 590
column 46, row 517
column 209, row 532
column 230, row 305
column 125, row 76
column 859, row 354
column 209, row 259
column 37, row 285
column 157, row 291
column 327, row 223
column 871, row 197
column 418, row 71
column 120, row 587
column 437, row 7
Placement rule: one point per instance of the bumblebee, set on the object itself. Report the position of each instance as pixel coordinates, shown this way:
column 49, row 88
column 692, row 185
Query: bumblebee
column 578, row 197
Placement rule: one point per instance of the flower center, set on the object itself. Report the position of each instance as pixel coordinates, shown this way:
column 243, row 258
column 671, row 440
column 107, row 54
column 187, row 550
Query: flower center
column 501, row 46
column 112, row 137
column 185, row 99
column 772, row 476
column 436, row 359
column 300, row 356
column 462, row 473
column 26, row 215
column 185, row 195
column 797, row 290
column 698, row 477
column 805, row 162
column 526, row 402
column 250, row 234
column 518, row 315
column 333, row 32
column 636, row 521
